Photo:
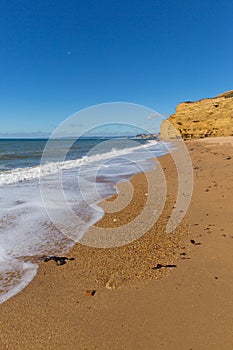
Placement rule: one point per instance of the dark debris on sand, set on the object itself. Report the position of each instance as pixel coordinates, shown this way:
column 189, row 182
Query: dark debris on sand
column 159, row 266
column 59, row 260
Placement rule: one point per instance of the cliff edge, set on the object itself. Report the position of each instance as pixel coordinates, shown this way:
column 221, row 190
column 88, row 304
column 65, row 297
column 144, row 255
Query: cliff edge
column 204, row 118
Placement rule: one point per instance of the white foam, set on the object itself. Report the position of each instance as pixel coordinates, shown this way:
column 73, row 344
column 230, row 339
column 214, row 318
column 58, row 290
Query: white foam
column 23, row 273
column 27, row 272
column 26, row 174
column 2, row 254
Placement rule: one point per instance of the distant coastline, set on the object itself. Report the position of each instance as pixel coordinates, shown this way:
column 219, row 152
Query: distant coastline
column 100, row 137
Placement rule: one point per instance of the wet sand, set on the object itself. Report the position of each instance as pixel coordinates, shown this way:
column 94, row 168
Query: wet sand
column 114, row 299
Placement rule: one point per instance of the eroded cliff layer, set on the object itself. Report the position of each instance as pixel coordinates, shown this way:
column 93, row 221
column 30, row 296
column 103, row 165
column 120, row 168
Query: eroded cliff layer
column 203, row 118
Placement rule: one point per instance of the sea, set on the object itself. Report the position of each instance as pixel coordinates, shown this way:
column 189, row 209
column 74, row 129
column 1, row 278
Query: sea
column 87, row 170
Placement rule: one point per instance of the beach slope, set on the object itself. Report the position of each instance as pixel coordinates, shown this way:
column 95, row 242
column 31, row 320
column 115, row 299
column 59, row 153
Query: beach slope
column 69, row 306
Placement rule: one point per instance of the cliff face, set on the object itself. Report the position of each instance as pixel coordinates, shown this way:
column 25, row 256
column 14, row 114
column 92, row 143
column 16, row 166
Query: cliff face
column 203, row 118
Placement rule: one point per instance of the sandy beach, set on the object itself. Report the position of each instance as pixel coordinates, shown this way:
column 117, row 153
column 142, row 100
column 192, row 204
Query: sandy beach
column 116, row 298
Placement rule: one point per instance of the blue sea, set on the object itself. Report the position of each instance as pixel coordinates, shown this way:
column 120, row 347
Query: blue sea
column 88, row 170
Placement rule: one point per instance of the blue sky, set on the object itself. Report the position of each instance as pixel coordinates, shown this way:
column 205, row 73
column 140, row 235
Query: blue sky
column 58, row 57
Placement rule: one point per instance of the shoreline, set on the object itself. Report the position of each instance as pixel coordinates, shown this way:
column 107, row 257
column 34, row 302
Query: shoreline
column 37, row 258
column 144, row 311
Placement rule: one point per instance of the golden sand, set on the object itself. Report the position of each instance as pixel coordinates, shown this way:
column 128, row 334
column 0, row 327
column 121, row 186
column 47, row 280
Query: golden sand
column 114, row 299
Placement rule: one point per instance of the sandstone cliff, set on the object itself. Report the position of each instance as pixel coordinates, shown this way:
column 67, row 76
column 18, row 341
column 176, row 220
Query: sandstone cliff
column 203, row 118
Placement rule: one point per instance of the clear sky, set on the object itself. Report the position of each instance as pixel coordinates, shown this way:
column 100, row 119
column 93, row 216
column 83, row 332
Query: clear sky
column 59, row 56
